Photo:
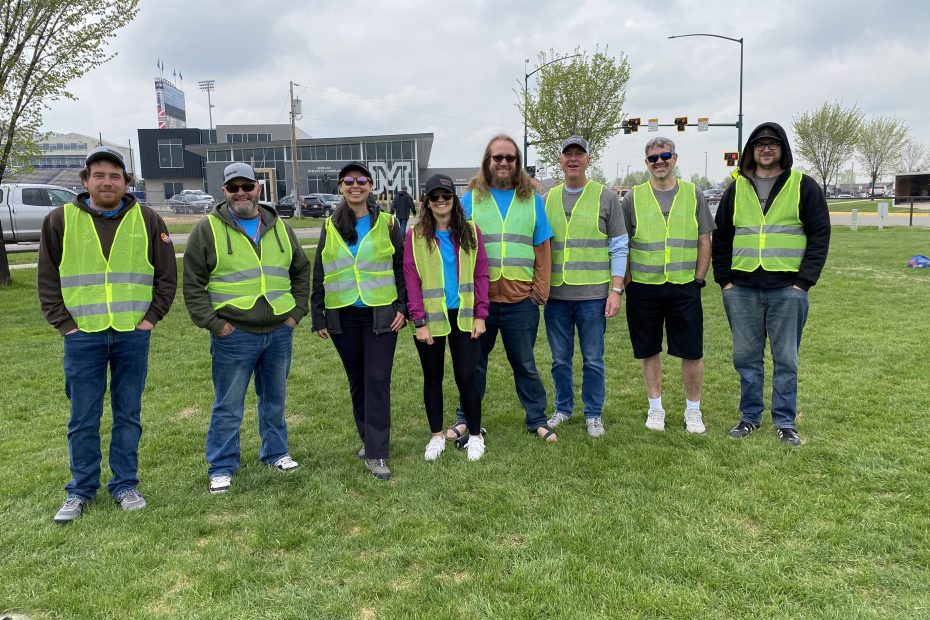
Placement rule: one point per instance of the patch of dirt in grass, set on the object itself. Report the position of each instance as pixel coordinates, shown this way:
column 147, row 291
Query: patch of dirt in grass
column 188, row 413
column 402, row 584
column 515, row 541
column 366, row 613
column 295, row 418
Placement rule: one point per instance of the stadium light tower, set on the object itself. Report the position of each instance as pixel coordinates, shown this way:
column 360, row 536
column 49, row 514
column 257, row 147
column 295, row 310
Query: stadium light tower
column 207, row 86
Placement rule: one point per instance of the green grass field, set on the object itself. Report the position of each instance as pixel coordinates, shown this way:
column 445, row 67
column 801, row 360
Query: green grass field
column 634, row 525
column 871, row 206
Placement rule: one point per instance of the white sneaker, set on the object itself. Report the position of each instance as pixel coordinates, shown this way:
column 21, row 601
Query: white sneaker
column 595, row 427
column 693, row 422
column 220, row 483
column 475, row 447
column 434, row 448
column 557, row 418
column 655, row 420
column 285, row 463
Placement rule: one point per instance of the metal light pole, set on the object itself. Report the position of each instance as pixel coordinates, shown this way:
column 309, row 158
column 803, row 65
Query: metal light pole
column 526, row 97
column 739, row 123
column 297, row 204
column 207, row 85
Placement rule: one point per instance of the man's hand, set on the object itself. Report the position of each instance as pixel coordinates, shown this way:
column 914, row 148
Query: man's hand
column 612, row 307
column 323, row 333
column 290, row 322
column 477, row 328
column 728, row 286
column 398, row 323
column 227, row 329
column 145, row 325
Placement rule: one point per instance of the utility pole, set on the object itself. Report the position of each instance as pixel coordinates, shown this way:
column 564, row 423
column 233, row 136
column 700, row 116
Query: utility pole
column 297, row 204
column 207, row 85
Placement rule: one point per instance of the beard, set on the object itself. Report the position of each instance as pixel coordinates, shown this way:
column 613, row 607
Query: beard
column 245, row 208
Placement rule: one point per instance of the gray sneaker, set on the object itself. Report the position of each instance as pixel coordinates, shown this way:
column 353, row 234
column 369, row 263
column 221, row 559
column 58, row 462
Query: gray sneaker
column 557, row 418
column 378, row 468
column 130, row 499
column 595, row 427
column 361, row 453
column 72, row 509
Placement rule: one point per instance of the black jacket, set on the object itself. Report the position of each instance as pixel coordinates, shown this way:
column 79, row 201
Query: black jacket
column 403, row 205
column 814, row 214
column 383, row 315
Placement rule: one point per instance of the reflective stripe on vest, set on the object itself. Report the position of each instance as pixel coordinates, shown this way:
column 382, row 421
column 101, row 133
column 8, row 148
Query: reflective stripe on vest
column 428, row 260
column 102, row 293
column 579, row 248
column 509, row 243
column 664, row 250
column 368, row 275
column 241, row 277
column 774, row 240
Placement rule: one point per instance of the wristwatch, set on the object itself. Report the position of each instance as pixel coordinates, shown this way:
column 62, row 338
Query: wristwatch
column 419, row 323
column 701, row 283
column 617, row 290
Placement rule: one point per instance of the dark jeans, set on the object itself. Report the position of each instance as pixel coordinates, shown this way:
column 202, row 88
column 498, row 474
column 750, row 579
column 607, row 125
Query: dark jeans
column 87, row 357
column 517, row 325
column 402, row 222
column 465, row 352
column 562, row 318
column 778, row 314
column 368, row 360
column 236, row 358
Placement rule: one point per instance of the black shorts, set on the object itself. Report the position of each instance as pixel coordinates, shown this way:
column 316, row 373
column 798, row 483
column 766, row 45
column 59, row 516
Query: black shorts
column 677, row 307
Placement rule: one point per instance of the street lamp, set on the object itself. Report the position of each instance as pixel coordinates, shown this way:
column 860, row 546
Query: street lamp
column 207, row 85
column 526, row 96
column 739, row 123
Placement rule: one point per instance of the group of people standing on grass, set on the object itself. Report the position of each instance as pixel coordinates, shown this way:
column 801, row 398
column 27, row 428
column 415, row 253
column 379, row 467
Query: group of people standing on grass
column 471, row 269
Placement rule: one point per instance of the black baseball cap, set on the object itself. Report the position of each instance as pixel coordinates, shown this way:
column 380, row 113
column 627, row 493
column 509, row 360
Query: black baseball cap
column 355, row 165
column 440, row 181
column 766, row 132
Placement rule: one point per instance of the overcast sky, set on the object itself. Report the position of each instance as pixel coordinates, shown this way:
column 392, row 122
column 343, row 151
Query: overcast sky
column 410, row 66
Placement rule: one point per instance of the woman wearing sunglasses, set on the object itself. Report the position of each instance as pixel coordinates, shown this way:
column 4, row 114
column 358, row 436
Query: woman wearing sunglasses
column 446, row 270
column 359, row 300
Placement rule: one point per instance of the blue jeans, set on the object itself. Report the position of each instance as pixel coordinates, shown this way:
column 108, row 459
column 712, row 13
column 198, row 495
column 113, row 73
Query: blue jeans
column 517, row 325
column 777, row 314
column 562, row 318
column 236, row 358
column 402, row 223
column 87, row 356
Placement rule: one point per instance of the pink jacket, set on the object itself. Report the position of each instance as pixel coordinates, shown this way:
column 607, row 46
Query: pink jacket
column 415, row 285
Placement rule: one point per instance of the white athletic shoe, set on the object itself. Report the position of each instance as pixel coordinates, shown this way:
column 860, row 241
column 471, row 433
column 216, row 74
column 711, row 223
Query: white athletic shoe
column 434, row 448
column 475, row 447
column 595, row 427
column 557, row 418
column 655, row 420
column 693, row 422
column 220, row 483
column 285, row 464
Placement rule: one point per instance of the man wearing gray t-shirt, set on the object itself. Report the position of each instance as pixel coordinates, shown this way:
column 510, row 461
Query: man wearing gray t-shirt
column 589, row 249
column 669, row 226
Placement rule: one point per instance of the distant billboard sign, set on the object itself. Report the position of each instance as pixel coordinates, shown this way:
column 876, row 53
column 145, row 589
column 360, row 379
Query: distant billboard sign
column 169, row 103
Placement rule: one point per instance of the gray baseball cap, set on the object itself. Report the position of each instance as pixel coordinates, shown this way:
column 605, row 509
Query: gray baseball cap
column 238, row 170
column 575, row 141
column 105, row 152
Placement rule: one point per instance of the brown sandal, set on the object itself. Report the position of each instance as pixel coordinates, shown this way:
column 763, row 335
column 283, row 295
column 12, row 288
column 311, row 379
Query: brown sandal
column 453, row 433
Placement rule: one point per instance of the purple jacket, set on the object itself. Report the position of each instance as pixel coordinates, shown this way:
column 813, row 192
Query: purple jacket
column 415, row 285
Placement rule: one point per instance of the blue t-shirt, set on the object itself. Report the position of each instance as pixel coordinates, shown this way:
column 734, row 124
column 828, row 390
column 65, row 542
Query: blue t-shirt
column 362, row 228
column 250, row 226
column 450, row 270
column 111, row 212
column 503, row 198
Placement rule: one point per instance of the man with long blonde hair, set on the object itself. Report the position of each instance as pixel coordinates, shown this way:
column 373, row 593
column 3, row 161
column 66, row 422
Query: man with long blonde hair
column 512, row 218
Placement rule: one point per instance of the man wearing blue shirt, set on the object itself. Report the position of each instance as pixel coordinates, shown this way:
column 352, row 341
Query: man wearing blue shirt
column 512, row 219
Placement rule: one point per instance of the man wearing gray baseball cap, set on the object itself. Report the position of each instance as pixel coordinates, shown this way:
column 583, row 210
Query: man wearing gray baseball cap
column 247, row 281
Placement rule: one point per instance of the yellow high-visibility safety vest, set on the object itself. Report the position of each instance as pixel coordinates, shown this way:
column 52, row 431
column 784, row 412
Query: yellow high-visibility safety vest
column 579, row 248
column 432, row 277
column 102, row 293
column 509, row 243
column 664, row 250
column 774, row 240
column 368, row 275
column 240, row 278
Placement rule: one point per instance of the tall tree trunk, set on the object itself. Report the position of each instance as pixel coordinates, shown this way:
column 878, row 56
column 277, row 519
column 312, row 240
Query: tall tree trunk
column 5, row 279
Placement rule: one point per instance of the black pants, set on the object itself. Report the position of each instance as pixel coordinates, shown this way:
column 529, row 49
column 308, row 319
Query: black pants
column 465, row 352
column 368, row 359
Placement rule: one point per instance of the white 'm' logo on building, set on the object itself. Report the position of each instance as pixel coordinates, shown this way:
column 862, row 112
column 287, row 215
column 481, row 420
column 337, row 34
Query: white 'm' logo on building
column 391, row 180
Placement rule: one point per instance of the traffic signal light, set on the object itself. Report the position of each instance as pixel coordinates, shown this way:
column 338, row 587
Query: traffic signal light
column 633, row 124
column 626, row 127
column 680, row 122
column 731, row 158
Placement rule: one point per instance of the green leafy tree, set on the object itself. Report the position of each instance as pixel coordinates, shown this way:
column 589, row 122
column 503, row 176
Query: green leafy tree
column 636, row 177
column 881, row 143
column 700, row 181
column 827, row 137
column 580, row 96
column 596, row 173
column 44, row 45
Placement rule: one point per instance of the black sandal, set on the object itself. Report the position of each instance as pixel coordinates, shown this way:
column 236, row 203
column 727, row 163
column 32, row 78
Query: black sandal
column 461, row 441
column 549, row 433
column 454, row 429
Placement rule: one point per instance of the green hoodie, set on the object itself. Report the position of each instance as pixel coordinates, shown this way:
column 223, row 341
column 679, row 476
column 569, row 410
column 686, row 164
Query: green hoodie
column 200, row 260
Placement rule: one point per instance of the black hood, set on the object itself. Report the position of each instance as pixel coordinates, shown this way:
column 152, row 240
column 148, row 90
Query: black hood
column 747, row 164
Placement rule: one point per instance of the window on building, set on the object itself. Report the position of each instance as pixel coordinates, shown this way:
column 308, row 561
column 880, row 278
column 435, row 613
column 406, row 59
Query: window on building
column 170, row 154
column 223, row 155
column 173, row 188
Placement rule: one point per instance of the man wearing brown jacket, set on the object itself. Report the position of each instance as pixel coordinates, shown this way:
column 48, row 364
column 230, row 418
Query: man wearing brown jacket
column 106, row 275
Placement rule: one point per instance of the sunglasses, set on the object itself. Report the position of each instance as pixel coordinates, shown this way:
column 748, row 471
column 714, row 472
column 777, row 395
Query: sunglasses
column 665, row 155
column 354, row 180
column 499, row 158
column 439, row 196
column 234, row 188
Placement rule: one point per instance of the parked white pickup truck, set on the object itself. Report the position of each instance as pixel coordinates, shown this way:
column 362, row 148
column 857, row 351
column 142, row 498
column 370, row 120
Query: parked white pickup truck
column 23, row 206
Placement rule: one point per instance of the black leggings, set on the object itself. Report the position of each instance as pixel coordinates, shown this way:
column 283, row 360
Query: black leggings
column 465, row 353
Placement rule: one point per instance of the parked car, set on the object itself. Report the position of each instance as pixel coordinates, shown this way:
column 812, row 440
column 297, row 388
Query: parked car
column 332, row 201
column 310, row 206
column 191, row 203
column 713, row 194
column 844, row 196
column 23, row 207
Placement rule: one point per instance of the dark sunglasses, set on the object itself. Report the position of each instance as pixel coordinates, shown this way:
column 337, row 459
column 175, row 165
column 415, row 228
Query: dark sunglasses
column 665, row 155
column 499, row 158
column 354, row 180
column 233, row 188
column 437, row 196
